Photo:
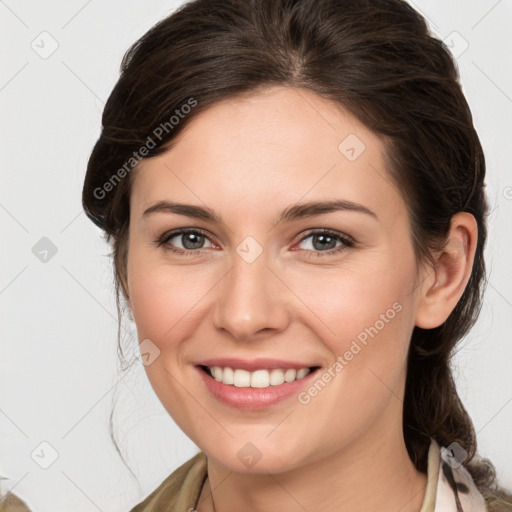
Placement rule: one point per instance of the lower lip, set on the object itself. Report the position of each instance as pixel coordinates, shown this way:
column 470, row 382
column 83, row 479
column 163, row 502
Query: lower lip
column 253, row 398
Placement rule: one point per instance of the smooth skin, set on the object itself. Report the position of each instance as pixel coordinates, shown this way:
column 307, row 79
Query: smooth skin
column 248, row 159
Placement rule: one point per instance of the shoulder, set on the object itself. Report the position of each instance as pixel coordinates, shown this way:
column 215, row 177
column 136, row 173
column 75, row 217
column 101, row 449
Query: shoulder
column 180, row 490
column 11, row 503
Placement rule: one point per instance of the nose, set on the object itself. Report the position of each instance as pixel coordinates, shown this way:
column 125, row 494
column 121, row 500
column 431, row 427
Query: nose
column 251, row 301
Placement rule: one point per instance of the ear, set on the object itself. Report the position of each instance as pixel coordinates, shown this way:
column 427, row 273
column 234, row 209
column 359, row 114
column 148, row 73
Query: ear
column 443, row 285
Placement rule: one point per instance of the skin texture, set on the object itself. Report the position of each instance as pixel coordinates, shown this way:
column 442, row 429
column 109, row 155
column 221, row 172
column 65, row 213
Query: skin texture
column 248, row 159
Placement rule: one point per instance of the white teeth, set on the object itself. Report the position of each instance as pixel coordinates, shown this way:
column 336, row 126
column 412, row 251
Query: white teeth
column 242, row 378
column 260, row 379
column 290, row 375
column 217, row 374
column 276, row 377
column 228, row 376
column 302, row 373
column 257, row 379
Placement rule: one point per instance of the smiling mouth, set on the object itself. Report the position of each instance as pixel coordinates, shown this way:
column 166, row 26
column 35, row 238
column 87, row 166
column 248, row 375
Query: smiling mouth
column 260, row 379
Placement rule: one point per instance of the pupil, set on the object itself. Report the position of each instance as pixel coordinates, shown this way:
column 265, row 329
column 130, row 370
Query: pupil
column 188, row 241
column 324, row 238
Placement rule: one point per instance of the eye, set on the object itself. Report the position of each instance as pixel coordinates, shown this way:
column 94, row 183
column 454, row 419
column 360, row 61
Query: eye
column 319, row 243
column 191, row 240
column 325, row 242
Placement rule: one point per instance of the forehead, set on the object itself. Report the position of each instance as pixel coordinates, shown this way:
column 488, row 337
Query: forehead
column 271, row 149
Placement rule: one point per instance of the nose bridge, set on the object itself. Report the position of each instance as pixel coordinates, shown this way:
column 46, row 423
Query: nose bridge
column 249, row 298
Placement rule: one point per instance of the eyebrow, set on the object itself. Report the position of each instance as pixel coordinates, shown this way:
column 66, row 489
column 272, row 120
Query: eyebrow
column 294, row 212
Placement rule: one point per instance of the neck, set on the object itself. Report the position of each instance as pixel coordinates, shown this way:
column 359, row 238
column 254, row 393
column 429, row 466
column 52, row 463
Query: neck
column 374, row 473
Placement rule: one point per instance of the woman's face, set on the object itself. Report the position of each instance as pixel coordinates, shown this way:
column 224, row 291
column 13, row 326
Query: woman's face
column 256, row 285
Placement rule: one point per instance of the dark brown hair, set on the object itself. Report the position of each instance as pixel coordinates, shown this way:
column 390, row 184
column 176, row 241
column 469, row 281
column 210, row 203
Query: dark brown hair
column 378, row 60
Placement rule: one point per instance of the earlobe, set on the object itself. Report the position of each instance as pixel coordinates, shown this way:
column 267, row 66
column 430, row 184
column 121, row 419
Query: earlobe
column 445, row 284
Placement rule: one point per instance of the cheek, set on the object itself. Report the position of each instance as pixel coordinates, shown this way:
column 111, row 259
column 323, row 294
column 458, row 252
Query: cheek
column 166, row 304
column 369, row 355
column 368, row 319
column 354, row 303
column 166, row 300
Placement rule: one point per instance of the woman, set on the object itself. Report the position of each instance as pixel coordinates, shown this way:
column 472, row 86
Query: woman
column 294, row 191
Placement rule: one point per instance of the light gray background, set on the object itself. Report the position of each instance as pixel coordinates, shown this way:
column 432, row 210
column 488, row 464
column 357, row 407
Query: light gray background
column 58, row 353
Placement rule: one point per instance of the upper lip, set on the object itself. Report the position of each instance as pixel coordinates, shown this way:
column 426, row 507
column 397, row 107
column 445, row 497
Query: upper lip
column 253, row 365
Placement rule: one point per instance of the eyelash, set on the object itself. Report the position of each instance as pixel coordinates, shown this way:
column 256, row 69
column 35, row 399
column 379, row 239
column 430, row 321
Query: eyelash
column 346, row 241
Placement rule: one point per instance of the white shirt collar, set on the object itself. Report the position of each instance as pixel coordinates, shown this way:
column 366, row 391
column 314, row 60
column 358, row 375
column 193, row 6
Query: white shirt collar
column 450, row 487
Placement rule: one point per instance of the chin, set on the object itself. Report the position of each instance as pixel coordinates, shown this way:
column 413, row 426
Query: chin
column 258, row 457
